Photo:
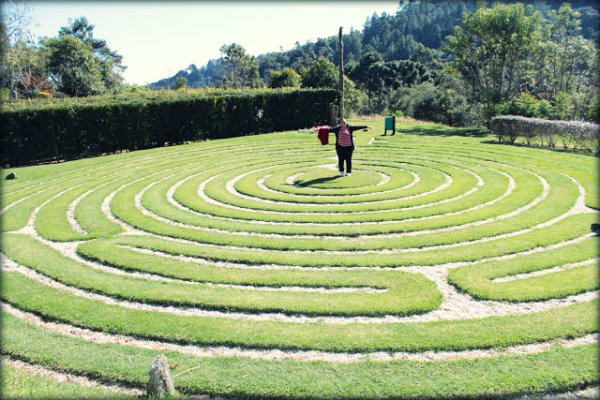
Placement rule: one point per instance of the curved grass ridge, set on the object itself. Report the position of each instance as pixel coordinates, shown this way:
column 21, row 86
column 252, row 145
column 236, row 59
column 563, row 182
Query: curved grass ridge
column 445, row 245
column 404, row 293
column 235, row 376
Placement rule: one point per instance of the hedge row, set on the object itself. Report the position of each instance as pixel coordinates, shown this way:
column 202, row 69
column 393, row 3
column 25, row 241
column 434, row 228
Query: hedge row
column 576, row 134
column 69, row 132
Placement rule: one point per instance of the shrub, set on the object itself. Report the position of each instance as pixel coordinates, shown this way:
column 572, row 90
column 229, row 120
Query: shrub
column 543, row 109
column 594, row 109
column 285, row 78
column 180, row 83
column 4, row 94
column 528, row 104
column 563, row 106
column 583, row 135
column 72, row 130
column 445, row 103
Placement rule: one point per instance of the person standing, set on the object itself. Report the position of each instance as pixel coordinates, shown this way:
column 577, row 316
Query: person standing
column 344, row 144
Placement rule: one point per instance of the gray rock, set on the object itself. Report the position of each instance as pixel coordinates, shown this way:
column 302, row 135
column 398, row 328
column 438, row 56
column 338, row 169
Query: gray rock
column 12, row 175
column 160, row 383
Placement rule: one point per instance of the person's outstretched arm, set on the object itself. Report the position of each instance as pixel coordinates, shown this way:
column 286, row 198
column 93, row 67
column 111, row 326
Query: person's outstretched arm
column 353, row 128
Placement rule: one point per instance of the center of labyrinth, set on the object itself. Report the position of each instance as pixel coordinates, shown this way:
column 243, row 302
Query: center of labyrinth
column 261, row 256
column 328, row 177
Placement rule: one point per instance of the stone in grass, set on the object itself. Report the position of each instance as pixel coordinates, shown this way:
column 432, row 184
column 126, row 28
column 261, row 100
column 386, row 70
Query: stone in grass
column 10, row 176
column 160, row 383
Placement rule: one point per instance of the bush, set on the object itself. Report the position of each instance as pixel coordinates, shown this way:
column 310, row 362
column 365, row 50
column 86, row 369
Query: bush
column 543, row 109
column 72, row 130
column 594, row 109
column 4, row 95
column 444, row 101
column 285, row 78
column 180, row 83
column 583, row 135
column 564, row 106
column 427, row 102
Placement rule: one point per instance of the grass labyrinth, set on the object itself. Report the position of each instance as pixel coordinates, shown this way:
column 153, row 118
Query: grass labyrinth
column 446, row 265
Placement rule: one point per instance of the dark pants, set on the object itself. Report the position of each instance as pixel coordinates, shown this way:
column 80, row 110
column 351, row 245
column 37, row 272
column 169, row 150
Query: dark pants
column 344, row 154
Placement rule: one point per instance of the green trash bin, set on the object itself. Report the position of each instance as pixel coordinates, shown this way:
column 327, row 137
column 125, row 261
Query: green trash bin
column 390, row 123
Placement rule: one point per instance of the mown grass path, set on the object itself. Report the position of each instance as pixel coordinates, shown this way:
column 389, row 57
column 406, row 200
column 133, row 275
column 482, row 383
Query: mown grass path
column 445, row 266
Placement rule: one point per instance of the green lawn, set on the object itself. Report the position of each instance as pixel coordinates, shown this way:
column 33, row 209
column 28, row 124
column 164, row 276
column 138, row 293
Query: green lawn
column 441, row 240
column 19, row 384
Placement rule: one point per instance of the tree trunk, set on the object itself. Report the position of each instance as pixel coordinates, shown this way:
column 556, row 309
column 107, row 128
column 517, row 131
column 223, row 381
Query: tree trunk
column 341, row 84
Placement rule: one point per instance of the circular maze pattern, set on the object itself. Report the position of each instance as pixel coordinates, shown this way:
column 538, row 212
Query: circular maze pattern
column 443, row 266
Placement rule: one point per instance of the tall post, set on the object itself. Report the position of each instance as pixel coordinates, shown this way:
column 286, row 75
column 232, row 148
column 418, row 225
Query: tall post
column 341, row 84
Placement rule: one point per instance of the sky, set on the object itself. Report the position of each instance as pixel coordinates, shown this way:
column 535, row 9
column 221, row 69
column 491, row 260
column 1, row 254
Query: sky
column 159, row 38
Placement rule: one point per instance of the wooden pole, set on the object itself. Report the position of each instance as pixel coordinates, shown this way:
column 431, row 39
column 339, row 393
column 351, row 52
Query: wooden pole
column 341, row 84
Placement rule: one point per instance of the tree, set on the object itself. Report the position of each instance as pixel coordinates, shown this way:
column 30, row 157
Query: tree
column 360, row 72
column 241, row 68
column 383, row 77
column 110, row 62
column 180, row 83
column 443, row 102
column 426, row 56
column 17, row 66
column 321, row 74
column 24, row 71
column 352, row 46
column 353, row 97
column 491, row 49
column 563, row 106
column 379, row 77
column 4, row 41
column 15, row 23
column 572, row 55
column 285, row 78
column 72, row 65
column 22, row 68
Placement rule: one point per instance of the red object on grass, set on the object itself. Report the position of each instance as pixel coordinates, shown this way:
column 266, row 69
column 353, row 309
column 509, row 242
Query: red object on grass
column 323, row 135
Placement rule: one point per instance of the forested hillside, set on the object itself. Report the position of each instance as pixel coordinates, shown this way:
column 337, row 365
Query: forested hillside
column 416, row 32
column 459, row 63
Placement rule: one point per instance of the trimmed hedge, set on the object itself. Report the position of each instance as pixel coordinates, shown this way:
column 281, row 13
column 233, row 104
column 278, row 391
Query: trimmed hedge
column 582, row 135
column 74, row 131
